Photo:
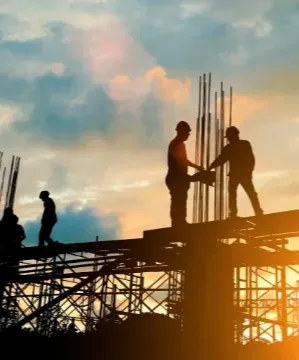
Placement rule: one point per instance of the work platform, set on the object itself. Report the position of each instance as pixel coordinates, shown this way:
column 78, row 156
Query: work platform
column 190, row 260
column 160, row 245
column 255, row 227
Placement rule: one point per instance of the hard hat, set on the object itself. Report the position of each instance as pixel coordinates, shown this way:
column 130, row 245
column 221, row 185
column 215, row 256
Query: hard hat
column 231, row 131
column 44, row 193
column 183, row 126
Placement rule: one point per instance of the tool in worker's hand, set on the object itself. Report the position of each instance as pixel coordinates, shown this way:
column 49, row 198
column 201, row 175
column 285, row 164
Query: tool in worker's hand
column 205, row 177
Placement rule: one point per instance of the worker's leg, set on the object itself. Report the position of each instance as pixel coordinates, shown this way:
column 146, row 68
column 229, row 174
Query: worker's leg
column 45, row 233
column 41, row 237
column 249, row 188
column 50, row 229
column 178, row 207
column 232, row 196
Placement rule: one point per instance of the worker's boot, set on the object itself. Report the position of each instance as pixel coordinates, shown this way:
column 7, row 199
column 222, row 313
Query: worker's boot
column 232, row 216
column 178, row 223
column 259, row 212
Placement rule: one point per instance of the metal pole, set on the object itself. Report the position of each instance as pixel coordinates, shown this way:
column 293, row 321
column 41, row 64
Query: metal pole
column 208, row 148
column 196, row 187
column 9, row 182
column 202, row 154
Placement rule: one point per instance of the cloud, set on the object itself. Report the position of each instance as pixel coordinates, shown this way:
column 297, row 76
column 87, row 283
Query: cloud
column 174, row 90
column 278, row 81
column 62, row 107
column 8, row 114
column 78, row 225
column 141, row 208
column 245, row 107
column 64, row 99
column 237, row 57
column 109, row 49
column 54, row 117
column 283, row 185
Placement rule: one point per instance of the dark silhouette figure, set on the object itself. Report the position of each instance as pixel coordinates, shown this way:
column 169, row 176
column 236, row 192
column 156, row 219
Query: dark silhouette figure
column 18, row 231
column 49, row 219
column 12, row 234
column 7, row 214
column 241, row 160
column 6, row 225
column 177, row 178
column 16, row 235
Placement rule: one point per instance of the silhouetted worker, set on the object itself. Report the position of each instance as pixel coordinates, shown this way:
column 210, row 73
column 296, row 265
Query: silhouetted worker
column 5, row 229
column 241, row 160
column 49, row 219
column 7, row 214
column 18, row 231
column 177, row 178
column 15, row 237
column 12, row 235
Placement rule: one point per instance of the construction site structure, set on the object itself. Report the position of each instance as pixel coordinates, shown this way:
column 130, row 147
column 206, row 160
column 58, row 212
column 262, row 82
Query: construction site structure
column 11, row 184
column 215, row 276
column 109, row 280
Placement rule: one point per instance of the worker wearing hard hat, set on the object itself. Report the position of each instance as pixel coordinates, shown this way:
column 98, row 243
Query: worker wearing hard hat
column 241, row 160
column 177, row 178
column 49, row 219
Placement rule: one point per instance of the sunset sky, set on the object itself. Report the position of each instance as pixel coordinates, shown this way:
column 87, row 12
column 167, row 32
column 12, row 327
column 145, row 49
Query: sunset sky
column 91, row 91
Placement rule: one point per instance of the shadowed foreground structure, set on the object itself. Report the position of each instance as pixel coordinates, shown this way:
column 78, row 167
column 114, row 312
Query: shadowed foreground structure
column 127, row 341
column 90, row 282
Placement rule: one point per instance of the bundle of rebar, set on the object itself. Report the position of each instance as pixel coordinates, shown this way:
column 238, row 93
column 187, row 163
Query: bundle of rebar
column 11, row 183
column 209, row 143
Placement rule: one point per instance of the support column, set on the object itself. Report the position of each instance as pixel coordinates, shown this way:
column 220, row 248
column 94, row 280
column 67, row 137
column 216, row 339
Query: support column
column 208, row 331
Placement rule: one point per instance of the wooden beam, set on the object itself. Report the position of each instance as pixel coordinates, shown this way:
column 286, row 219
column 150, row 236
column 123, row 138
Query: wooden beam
column 283, row 223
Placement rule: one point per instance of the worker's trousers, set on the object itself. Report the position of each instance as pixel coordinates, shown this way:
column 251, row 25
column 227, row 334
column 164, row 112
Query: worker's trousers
column 178, row 189
column 247, row 184
column 45, row 233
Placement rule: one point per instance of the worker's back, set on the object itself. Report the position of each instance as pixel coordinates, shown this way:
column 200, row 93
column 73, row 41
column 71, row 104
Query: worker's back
column 240, row 156
column 49, row 215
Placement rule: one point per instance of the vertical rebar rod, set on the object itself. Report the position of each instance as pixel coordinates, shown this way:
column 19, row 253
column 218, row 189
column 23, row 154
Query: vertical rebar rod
column 1, row 157
column 208, row 146
column 2, row 184
column 208, row 164
column 217, row 145
column 9, row 182
column 196, row 185
column 221, row 147
column 230, row 124
column 14, row 183
column 231, row 106
column 224, row 179
column 215, row 155
column 202, row 147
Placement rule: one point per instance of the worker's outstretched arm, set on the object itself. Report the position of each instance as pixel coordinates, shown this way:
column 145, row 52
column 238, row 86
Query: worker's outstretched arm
column 191, row 164
column 220, row 160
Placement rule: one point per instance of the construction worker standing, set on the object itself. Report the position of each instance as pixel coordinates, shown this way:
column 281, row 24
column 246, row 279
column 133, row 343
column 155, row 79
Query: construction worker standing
column 241, row 160
column 177, row 178
column 49, row 219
